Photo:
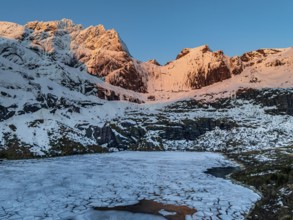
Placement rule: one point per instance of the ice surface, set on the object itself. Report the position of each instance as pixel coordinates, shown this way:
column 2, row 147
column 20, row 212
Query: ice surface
column 68, row 187
column 116, row 215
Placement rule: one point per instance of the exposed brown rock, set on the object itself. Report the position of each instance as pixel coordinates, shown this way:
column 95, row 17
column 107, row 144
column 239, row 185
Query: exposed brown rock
column 154, row 61
column 112, row 95
column 258, row 54
column 152, row 207
column 236, row 65
column 201, row 78
column 129, row 78
column 275, row 63
column 218, row 74
column 184, row 52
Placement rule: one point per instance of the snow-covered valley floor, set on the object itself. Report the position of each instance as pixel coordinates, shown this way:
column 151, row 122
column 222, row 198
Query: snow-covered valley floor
column 67, row 187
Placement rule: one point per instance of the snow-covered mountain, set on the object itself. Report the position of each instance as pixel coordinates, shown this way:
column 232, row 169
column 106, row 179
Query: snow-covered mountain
column 66, row 89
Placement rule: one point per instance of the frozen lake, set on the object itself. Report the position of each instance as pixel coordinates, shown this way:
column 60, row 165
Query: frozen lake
column 69, row 187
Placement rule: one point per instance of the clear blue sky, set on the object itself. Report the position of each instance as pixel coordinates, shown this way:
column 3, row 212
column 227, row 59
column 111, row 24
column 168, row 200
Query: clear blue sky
column 161, row 28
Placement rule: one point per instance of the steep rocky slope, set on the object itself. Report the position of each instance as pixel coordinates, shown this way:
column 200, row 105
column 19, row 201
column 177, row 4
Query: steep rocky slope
column 100, row 52
column 65, row 89
column 192, row 69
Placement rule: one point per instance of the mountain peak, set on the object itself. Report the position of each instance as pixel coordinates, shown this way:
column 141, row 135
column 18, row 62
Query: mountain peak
column 154, row 62
column 11, row 30
column 185, row 51
column 63, row 24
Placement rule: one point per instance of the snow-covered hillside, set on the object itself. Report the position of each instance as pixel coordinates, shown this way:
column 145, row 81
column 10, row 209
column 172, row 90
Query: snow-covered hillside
column 65, row 89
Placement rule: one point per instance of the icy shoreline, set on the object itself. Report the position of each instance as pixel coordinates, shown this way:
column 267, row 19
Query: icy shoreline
column 65, row 187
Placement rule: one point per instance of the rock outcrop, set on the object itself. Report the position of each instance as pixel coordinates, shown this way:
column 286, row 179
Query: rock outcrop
column 100, row 52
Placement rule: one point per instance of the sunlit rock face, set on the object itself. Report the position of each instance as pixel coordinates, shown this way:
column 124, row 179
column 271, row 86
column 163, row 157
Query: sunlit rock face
column 101, row 52
column 90, row 46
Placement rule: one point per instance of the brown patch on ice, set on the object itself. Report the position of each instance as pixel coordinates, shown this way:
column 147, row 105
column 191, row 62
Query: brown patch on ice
column 154, row 208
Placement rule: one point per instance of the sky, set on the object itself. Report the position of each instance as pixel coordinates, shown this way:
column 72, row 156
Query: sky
column 160, row 29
